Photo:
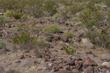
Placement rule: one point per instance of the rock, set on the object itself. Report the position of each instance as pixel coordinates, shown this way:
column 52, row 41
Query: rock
column 75, row 71
column 105, row 57
column 79, row 64
column 89, row 69
column 89, row 62
column 13, row 71
column 2, row 70
column 106, row 64
column 86, row 43
column 64, row 71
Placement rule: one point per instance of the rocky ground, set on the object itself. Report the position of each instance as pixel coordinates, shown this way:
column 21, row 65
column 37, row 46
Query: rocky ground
column 86, row 59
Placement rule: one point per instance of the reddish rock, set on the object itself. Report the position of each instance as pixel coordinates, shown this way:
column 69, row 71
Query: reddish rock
column 89, row 62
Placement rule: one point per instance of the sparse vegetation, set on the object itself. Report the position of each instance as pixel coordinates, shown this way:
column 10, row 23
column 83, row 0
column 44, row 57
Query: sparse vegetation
column 54, row 36
column 11, row 13
column 2, row 19
column 52, row 29
column 68, row 34
column 22, row 38
column 2, row 45
column 69, row 50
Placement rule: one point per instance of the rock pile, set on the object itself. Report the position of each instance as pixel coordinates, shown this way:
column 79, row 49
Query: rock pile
column 79, row 65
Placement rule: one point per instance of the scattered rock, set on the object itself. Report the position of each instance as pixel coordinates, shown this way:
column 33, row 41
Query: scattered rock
column 89, row 69
column 86, row 43
column 105, row 57
column 89, row 62
column 106, row 64
column 2, row 70
column 75, row 71
column 64, row 71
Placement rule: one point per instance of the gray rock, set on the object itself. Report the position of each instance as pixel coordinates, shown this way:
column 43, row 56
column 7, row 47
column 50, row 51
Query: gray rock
column 105, row 57
column 64, row 71
column 2, row 70
column 86, row 43
column 106, row 64
column 89, row 69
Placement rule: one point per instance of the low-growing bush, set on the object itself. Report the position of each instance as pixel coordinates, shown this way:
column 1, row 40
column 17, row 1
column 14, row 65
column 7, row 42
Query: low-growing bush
column 21, row 38
column 69, row 50
column 90, row 17
column 11, row 13
column 2, row 45
column 100, row 39
column 68, row 34
column 52, row 29
column 2, row 19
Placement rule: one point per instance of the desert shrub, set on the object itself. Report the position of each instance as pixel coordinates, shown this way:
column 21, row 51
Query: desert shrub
column 100, row 39
column 68, row 9
column 11, row 13
column 2, row 45
column 52, row 29
column 21, row 38
column 2, row 19
column 90, row 17
column 69, row 50
column 50, row 7
column 68, row 34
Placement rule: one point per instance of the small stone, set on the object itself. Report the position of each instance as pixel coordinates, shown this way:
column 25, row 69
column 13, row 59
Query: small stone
column 105, row 57
column 89, row 69
column 75, row 71
column 2, row 70
column 106, row 64
column 89, row 62
column 64, row 71
column 87, row 44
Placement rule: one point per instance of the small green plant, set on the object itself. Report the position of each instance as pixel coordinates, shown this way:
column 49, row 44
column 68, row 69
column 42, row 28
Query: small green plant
column 2, row 19
column 69, row 50
column 52, row 29
column 21, row 38
column 68, row 34
column 11, row 13
column 2, row 45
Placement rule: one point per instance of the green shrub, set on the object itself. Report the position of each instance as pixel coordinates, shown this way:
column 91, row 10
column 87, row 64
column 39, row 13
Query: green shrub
column 100, row 39
column 2, row 19
column 22, row 38
column 69, row 50
column 68, row 34
column 11, row 13
column 52, row 29
column 2, row 45
column 90, row 17
column 50, row 7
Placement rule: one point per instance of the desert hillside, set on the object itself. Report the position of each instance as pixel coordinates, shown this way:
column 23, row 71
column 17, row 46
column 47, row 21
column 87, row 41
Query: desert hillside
column 54, row 36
